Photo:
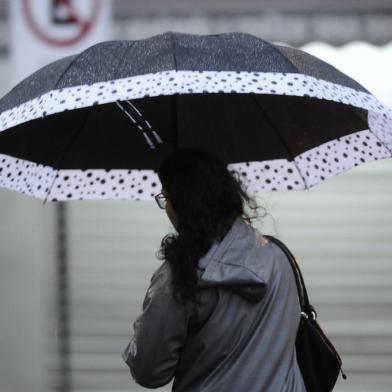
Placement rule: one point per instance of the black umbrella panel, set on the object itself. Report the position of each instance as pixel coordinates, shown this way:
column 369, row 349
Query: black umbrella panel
column 97, row 125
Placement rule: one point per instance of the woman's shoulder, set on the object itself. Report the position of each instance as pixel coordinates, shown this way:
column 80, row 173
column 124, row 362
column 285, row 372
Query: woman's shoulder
column 161, row 278
column 163, row 271
column 270, row 241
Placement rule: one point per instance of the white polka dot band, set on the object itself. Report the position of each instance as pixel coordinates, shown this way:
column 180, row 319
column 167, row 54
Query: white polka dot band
column 305, row 171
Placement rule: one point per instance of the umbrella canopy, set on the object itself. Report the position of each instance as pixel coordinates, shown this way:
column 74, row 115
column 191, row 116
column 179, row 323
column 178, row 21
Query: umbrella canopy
column 97, row 125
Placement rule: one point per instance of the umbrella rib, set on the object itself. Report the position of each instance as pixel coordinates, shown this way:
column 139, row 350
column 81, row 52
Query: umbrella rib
column 127, row 114
column 72, row 142
column 174, row 96
column 66, row 70
column 134, row 108
column 149, row 126
column 148, row 140
column 175, row 121
column 269, row 121
column 368, row 126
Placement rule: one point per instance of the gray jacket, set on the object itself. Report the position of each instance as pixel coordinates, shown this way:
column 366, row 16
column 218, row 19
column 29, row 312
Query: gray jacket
column 243, row 336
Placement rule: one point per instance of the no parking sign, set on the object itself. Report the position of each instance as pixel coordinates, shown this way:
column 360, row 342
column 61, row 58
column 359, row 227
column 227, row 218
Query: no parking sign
column 45, row 30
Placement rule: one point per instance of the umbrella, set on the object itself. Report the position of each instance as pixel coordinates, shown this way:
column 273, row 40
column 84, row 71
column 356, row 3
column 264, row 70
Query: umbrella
column 96, row 125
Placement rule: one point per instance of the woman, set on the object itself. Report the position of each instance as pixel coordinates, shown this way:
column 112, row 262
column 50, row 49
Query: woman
column 222, row 310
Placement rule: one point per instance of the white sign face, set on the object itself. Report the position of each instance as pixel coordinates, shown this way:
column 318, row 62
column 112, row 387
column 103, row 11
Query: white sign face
column 45, row 30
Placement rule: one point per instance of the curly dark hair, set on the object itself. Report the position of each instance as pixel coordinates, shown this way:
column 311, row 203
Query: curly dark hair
column 207, row 198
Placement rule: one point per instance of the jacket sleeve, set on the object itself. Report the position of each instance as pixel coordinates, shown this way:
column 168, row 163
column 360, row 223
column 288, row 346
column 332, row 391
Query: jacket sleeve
column 159, row 334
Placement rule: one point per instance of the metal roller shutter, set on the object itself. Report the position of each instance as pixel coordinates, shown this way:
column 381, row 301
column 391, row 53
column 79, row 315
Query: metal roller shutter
column 340, row 232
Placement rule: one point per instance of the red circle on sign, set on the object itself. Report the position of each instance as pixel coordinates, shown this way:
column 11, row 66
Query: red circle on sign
column 84, row 26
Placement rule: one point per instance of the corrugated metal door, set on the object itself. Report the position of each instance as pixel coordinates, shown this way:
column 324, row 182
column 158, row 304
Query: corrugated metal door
column 340, row 231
